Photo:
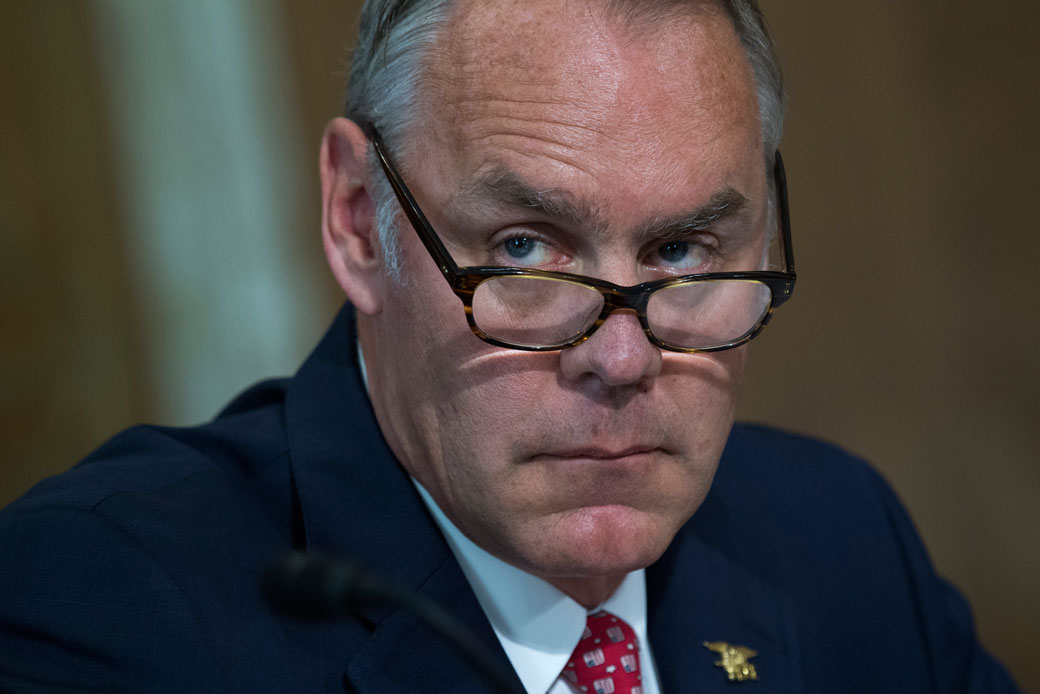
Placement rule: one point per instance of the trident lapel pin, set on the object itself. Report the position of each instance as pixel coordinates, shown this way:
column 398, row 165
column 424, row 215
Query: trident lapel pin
column 734, row 660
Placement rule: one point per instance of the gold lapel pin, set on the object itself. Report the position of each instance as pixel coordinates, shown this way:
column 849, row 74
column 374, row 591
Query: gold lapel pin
column 734, row 660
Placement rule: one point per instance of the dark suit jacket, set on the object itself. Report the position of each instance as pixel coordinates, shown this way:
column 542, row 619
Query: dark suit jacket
column 137, row 570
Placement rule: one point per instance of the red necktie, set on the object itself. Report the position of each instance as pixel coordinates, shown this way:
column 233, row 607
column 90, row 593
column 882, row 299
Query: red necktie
column 606, row 660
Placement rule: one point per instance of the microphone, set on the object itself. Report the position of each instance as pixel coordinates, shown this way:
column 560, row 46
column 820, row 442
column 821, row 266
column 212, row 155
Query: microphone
column 317, row 587
column 314, row 587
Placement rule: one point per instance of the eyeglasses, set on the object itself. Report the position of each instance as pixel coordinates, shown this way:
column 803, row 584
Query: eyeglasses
column 538, row 310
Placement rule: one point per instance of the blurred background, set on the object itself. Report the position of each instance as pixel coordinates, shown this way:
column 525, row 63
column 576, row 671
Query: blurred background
column 160, row 248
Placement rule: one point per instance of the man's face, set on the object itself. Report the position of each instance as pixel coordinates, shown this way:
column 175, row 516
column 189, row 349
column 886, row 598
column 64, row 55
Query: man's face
column 582, row 462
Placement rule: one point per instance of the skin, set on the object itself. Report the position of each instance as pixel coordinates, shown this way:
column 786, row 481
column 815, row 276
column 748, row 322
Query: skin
column 579, row 465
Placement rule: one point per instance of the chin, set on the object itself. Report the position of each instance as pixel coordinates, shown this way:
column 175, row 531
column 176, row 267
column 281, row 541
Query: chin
column 604, row 541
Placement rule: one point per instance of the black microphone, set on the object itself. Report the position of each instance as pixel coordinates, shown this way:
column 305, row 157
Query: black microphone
column 314, row 587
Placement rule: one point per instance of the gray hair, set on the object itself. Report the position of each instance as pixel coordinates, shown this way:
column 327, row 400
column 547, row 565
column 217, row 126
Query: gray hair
column 395, row 36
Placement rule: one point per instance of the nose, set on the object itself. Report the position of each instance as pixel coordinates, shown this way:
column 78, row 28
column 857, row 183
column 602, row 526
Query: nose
column 617, row 354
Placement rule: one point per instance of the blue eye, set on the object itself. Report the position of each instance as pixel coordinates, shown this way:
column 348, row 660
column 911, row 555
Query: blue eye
column 519, row 247
column 525, row 249
column 674, row 251
column 680, row 256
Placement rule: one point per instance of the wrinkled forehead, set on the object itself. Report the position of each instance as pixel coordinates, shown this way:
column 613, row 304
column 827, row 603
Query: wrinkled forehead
column 593, row 64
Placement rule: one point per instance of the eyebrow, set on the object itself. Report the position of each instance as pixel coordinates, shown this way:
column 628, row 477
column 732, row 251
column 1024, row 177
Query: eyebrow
column 505, row 187
column 725, row 203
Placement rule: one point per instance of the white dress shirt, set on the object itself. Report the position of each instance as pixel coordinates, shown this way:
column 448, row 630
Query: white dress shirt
column 538, row 625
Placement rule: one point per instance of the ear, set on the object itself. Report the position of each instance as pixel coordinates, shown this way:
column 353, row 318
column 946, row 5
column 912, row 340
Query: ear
column 348, row 216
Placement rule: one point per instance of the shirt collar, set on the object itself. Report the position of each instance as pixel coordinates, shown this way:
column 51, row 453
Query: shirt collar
column 537, row 624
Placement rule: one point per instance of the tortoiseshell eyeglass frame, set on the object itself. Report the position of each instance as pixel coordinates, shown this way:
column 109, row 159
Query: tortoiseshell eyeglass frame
column 464, row 280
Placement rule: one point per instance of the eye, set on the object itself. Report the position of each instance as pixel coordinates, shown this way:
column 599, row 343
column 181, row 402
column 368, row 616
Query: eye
column 674, row 251
column 520, row 247
column 525, row 250
column 685, row 257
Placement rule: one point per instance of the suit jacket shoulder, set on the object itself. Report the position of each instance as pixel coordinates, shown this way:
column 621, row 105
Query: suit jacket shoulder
column 138, row 569
column 817, row 532
column 129, row 572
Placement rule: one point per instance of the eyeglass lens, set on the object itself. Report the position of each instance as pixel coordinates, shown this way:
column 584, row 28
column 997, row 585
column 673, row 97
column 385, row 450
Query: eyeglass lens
column 544, row 312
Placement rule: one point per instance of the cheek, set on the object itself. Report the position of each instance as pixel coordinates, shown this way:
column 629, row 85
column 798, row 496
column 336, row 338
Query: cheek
column 449, row 403
column 701, row 393
column 472, row 455
column 495, row 408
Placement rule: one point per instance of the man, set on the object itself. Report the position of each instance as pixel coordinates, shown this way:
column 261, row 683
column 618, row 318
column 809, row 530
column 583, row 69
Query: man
column 597, row 182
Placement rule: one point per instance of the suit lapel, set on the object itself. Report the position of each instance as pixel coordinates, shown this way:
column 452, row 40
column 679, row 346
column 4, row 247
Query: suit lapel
column 355, row 499
column 405, row 655
column 697, row 595
column 348, row 479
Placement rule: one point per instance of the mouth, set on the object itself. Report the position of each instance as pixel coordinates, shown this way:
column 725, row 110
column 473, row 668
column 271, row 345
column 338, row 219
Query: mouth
column 637, row 459
column 599, row 477
column 599, row 453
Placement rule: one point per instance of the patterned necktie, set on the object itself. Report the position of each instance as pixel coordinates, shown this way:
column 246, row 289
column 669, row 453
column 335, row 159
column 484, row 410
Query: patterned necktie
column 606, row 660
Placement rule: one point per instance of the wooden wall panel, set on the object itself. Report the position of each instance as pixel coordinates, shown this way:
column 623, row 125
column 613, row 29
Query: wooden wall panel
column 319, row 35
column 911, row 147
column 72, row 352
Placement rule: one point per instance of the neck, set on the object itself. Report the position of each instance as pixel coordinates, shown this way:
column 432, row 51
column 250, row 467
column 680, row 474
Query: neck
column 587, row 592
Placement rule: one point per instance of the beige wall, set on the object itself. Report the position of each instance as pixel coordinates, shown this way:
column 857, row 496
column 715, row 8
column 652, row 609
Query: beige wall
column 911, row 148
column 71, row 345
column 912, row 151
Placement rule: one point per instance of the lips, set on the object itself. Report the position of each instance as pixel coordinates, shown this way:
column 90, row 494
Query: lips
column 598, row 476
column 599, row 453
column 591, row 462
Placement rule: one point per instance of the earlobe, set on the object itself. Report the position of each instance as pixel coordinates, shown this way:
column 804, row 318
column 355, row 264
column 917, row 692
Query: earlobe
column 348, row 216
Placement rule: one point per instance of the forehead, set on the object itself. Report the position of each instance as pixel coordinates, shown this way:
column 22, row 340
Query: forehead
column 581, row 78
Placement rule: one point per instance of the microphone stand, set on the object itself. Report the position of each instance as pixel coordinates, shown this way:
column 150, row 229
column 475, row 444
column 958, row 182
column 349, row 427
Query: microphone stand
column 315, row 587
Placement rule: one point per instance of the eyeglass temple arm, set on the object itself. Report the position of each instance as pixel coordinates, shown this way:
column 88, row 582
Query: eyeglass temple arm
column 411, row 209
column 780, row 176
